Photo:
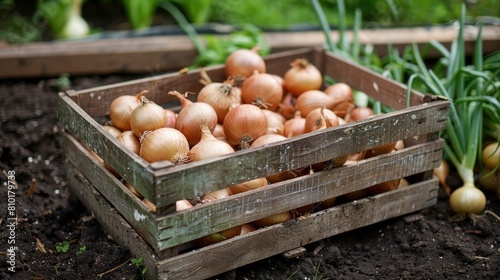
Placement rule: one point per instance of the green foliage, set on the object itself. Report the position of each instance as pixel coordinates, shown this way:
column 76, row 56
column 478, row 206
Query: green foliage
column 63, row 247
column 196, row 11
column 140, row 12
column 81, row 250
column 139, row 263
column 18, row 29
column 376, row 13
column 217, row 50
column 56, row 13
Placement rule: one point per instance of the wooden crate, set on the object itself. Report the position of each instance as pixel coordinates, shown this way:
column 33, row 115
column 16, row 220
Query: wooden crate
column 163, row 237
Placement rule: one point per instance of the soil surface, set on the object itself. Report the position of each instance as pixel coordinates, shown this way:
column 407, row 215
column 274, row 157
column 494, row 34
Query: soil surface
column 422, row 245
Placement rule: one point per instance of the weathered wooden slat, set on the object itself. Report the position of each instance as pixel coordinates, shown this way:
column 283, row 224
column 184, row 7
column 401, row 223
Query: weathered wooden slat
column 287, row 195
column 201, row 177
column 157, row 54
column 218, row 258
column 134, row 211
column 273, row 240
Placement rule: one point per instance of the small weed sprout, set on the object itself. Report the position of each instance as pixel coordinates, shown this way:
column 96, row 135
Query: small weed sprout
column 138, row 262
column 63, row 247
column 81, row 250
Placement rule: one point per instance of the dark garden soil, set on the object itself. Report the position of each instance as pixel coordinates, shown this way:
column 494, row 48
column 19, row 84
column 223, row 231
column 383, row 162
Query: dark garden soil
column 422, row 245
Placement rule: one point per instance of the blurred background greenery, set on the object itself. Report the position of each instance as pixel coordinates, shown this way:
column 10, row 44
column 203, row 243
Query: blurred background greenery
column 27, row 21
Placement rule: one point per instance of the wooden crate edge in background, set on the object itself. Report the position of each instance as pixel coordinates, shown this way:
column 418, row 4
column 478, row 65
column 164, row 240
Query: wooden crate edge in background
column 158, row 54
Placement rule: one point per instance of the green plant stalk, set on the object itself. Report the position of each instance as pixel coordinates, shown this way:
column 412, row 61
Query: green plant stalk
column 184, row 24
column 324, row 25
column 343, row 44
column 356, row 48
column 140, row 12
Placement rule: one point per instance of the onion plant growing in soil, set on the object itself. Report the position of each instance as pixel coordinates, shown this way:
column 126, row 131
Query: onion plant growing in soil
column 474, row 119
column 474, row 112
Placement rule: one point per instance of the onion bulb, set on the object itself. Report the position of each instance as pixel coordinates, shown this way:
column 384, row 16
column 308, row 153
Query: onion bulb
column 248, row 185
column 273, row 219
column 442, row 172
column 75, row 26
column 490, row 181
column 218, row 236
column 221, row 96
column 355, row 195
column 320, row 118
column 171, row 117
column 182, row 204
column 262, row 90
column 327, row 203
column 219, row 132
column 217, row 194
column 384, row 187
column 121, row 109
column 191, row 115
column 491, row 155
column 294, row 126
column 314, row 99
column 112, row 130
column 130, row 141
column 287, row 105
column 244, row 124
column 467, row 199
column 242, row 63
column 209, row 146
column 340, row 91
column 301, row 77
column 359, row 113
column 148, row 116
column 267, row 139
column 380, row 150
column 164, row 144
column 275, row 122
column 246, row 228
